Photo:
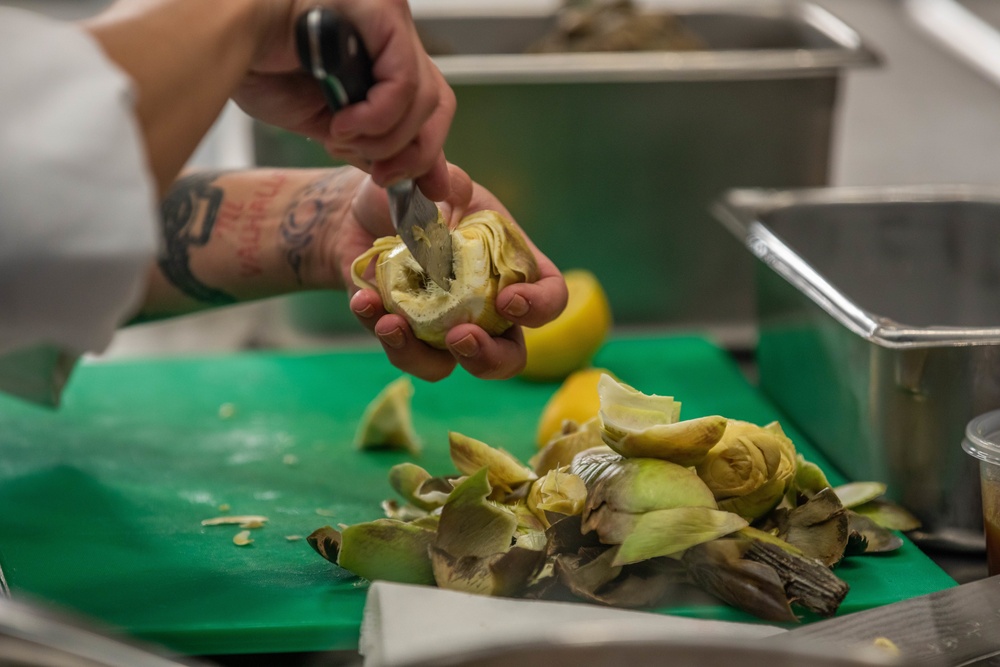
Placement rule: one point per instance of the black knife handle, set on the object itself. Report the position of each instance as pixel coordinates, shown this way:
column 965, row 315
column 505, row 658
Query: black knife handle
column 332, row 51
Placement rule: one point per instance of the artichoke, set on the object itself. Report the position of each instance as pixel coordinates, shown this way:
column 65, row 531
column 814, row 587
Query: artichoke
column 489, row 254
column 557, row 492
column 750, row 468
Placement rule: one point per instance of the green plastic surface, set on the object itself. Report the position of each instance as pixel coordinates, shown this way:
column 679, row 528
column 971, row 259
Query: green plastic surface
column 101, row 501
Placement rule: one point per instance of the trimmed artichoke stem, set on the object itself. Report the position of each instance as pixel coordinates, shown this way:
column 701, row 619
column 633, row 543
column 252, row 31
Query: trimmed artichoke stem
column 808, row 581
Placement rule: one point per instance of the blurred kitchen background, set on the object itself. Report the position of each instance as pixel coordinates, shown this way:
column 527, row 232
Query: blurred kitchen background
column 927, row 112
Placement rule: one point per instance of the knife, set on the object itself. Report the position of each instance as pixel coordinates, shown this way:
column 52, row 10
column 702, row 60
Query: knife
column 331, row 50
column 956, row 626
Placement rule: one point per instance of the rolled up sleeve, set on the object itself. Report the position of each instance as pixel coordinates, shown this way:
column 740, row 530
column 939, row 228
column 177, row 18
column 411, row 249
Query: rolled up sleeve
column 77, row 201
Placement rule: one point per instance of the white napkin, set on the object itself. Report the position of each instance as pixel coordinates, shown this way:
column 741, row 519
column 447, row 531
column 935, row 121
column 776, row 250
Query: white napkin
column 405, row 623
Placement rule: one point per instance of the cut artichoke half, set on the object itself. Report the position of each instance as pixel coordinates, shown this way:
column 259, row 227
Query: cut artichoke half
column 387, row 422
column 489, row 254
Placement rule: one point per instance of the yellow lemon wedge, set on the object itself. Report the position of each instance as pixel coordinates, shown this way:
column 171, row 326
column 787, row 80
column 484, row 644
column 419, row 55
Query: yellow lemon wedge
column 568, row 343
column 575, row 399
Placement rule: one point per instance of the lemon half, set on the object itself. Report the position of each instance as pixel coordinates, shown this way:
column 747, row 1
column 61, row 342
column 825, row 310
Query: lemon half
column 569, row 342
column 576, row 399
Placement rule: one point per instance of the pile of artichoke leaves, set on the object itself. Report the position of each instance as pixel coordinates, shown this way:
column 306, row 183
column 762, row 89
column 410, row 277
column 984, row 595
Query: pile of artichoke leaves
column 628, row 509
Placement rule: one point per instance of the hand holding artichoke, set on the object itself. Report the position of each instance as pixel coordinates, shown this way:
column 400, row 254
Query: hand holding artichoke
column 501, row 278
column 489, row 254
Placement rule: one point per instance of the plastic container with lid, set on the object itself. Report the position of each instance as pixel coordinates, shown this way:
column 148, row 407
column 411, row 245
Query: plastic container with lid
column 982, row 441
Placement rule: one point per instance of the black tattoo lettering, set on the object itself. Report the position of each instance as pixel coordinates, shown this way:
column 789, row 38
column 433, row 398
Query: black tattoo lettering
column 189, row 212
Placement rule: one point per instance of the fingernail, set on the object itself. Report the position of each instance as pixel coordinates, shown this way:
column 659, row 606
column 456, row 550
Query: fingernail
column 366, row 312
column 518, row 306
column 467, row 347
column 394, row 338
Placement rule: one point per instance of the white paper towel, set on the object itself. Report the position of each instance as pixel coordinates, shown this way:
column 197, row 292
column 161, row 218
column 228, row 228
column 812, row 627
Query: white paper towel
column 405, row 623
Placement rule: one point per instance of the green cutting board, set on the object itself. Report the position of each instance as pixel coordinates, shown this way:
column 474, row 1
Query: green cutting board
column 101, row 502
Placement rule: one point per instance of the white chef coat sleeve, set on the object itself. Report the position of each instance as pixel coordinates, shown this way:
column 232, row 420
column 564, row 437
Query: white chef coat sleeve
column 77, row 200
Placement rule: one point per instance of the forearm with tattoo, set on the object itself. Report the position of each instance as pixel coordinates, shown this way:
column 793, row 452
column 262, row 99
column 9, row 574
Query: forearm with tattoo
column 236, row 236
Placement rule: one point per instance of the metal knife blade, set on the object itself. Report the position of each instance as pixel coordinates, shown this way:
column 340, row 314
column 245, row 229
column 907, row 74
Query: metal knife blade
column 956, row 626
column 416, row 220
column 331, row 50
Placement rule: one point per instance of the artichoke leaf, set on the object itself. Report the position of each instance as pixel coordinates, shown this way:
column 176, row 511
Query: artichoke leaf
column 751, row 533
column 819, row 527
column 527, row 520
column 854, row 494
column 591, row 464
column 472, row 526
column 359, row 268
column 758, row 502
column 584, row 577
column 381, row 549
column 403, row 512
column 418, row 487
column 326, row 542
column 809, row 478
column 684, row 442
column 888, row 515
column 556, row 493
column 561, row 450
column 535, row 540
column 501, row 574
column 665, row 532
column 625, row 409
column 505, row 472
column 599, row 580
column 387, row 422
column 866, row 533
column 567, row 536
column 639, row 485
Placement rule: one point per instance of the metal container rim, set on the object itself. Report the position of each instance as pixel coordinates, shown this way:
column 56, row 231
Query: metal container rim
column 977, row 441
column 849, row 50
column 742, row 212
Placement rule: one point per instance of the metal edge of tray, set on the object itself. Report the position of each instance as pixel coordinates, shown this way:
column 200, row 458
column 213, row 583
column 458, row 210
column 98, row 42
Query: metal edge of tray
column 575, row 644
column 741, row 211
column 851, row 51
column 961, row 31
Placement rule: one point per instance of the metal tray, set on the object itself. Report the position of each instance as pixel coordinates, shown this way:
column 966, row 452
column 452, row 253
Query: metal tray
column 611, row 160
column 879, row 332
column 597, row 647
